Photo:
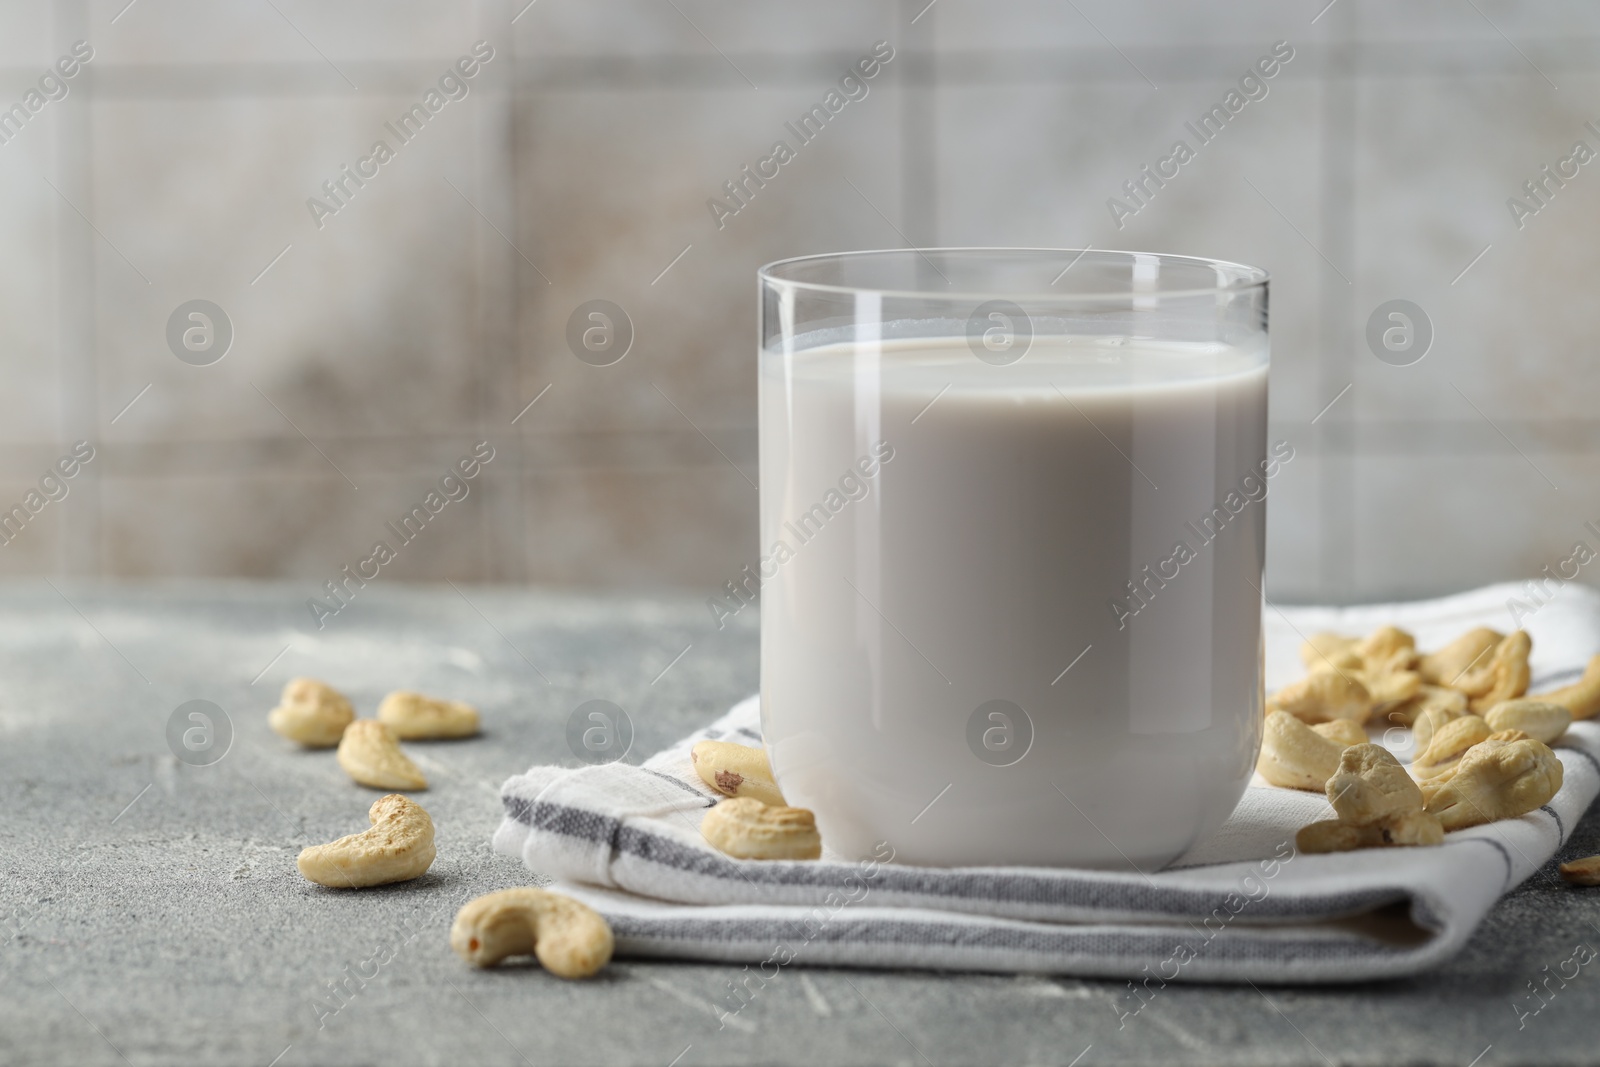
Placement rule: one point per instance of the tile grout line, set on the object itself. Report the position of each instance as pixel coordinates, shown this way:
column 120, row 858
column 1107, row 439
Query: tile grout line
column 79, row 553
column 516, row 562
column 1429, row 58
column 1337, row 493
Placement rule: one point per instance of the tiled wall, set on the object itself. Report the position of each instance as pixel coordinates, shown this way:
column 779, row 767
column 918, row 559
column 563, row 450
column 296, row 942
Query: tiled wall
column 370, row 352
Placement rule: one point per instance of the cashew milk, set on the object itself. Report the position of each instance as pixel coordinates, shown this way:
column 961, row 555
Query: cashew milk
column 1010, row 614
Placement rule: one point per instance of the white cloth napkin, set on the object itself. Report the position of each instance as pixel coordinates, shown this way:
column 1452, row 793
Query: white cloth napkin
column 1241, row 906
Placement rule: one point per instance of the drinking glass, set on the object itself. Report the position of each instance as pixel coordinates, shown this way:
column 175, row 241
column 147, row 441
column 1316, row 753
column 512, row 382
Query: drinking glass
column 1012, row 531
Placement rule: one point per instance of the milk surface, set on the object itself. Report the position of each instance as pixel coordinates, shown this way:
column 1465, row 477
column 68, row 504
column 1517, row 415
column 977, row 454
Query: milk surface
column 942, row 536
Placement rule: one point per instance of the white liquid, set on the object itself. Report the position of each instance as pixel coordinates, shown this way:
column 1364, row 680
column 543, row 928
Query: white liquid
column 983, row 559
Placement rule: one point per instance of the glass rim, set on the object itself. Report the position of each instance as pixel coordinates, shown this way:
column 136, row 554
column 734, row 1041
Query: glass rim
column 1245, row 277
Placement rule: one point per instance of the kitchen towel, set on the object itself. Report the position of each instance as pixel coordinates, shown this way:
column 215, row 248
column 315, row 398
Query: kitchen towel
column 1240, row 906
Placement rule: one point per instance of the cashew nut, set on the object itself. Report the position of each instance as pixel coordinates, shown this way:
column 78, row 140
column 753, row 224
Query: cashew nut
column 1539, row 720
column 397, row 848
column 1387, row 687
column 1333, row 835
column 1429, row 723
column 1497, row 780
column 1371, row 787
column 1445, row 666
column 1345, row 731
column 569, row 938
column 1503, row 677
column 1377, row 803
column 1449, row 744
column 1428, row 698
column 1324, row 695
column 747, row 829
column 1387, row 648
column 1297, row 756
column 736, row 771
column 370, row 754
column 1413, row 828
column 1582, row 698
column 312, row 713
column 1430, row 786
column 1321, row 649
column 1582, row 872
column 414, row 717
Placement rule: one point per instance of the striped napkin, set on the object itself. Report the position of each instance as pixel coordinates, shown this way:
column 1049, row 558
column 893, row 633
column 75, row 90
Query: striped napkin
column 1241, row 906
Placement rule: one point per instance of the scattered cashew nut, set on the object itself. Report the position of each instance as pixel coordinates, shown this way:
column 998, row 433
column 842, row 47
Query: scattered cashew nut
column 397, row 848
column 414, row 717
column 1539, row 720
column 1297, row 756
column 1448, row 744
column 1582, row 697
column 312, row 713
column 370, row 754
column 736, row 771
column 1582, row 872
column 747, row 829
column 1498, row 779
column 569, row 938
column 1323, row 696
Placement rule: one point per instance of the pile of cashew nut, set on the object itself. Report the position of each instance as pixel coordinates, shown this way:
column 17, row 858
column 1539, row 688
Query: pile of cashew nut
column 1481, row 744
column 753, row 823
column 569, row 938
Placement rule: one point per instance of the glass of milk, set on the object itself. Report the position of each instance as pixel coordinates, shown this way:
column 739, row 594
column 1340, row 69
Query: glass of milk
column 1012, row 529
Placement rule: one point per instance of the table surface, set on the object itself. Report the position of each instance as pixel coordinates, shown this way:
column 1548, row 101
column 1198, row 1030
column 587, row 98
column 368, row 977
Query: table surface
column 153, row 914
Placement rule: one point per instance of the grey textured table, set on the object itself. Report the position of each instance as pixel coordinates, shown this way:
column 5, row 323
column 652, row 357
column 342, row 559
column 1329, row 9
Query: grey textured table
column 152, row 912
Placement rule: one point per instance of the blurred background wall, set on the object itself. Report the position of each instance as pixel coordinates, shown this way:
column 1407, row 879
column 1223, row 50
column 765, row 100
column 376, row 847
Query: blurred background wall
column 372, row 346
